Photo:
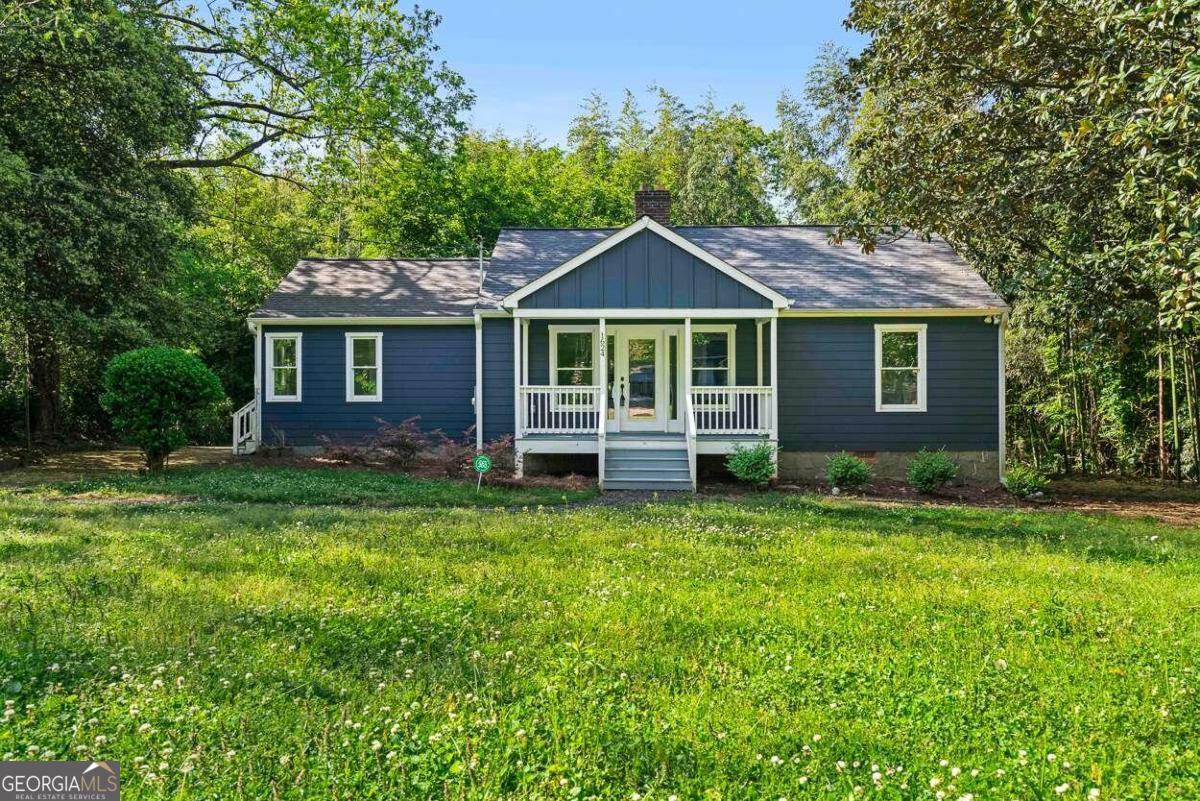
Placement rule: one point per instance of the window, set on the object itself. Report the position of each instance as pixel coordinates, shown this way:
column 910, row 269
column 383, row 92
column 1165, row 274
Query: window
column 573, row 357
column 900, row 368
column 712, row 356
column 364, row 373
column 283, row 367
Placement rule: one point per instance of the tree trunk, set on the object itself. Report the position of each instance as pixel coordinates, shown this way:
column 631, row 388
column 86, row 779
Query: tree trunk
column 1162, row 437
column 1175, row 412
column 45, row 378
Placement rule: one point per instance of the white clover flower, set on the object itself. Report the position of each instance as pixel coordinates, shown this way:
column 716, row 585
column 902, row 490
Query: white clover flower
column 935, row 781
column 776, row 761
column 376, row 745
column 955, row 771
column 1062, row 788
column 1051, row 757
column 1094, row 792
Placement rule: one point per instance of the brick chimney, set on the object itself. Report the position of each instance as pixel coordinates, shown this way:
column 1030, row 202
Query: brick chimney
column 652, row 203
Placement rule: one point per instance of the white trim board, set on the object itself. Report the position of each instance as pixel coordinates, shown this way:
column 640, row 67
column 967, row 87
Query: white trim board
column 982, row 311
column 351, row 338
column 286, row 321
column 920, row 329
column 270, row 343
column 513, row 299
column 645, row 314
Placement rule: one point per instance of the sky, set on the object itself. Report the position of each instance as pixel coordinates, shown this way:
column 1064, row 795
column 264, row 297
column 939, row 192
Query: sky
column 530, row 64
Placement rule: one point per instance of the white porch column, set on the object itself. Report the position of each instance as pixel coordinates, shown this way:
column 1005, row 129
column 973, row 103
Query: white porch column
column 775, row 387
column 687, row 356
column 519, row 457
column 602, row 411
column 478, row 382
column 758, row 324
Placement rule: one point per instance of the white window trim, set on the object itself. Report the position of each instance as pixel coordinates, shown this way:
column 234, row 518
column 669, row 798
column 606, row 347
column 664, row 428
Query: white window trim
column 271, row 396
column 730, row 331
column 351, row 337
column 555, row 330
column 922, row 366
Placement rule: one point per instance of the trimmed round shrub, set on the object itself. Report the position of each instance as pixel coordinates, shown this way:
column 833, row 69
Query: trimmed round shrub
column 846, row 471
column 755, row 465
column 929, row 471
column 159, row 398
column 1023, row 481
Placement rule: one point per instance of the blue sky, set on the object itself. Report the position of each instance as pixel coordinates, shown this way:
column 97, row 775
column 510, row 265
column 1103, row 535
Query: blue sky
column 531, row 63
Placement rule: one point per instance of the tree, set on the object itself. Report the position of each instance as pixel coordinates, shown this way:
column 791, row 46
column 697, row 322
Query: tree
column 85, row 222
column 301, row 79
column 1056, row 145
column 159, row 397
column 726, row 178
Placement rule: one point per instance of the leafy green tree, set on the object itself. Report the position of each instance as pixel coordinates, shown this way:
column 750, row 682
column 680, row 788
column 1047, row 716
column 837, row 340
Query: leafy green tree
column 159, row 398
column 726, row 178
column 86, row 225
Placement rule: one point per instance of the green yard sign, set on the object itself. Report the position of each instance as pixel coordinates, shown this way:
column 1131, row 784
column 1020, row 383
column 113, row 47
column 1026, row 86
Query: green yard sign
column 482, row 463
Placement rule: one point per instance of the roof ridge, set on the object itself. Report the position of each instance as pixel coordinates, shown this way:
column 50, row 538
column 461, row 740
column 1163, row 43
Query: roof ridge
column 470, row 259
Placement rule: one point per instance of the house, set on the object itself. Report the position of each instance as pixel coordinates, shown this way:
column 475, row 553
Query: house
column 644, row 349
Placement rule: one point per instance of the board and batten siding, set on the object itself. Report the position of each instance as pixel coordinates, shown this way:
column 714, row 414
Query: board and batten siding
column 645, row 272
column 428, row 372
column 827, row 387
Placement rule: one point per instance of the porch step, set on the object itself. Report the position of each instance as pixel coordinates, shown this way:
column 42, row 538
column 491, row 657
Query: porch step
column 640, row 468
column 669, row 485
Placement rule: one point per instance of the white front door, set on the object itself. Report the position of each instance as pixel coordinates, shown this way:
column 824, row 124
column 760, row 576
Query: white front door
column 640, row 384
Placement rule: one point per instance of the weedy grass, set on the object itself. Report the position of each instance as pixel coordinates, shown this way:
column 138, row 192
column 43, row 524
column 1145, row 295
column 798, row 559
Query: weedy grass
column 314, row 486
column 773, row 647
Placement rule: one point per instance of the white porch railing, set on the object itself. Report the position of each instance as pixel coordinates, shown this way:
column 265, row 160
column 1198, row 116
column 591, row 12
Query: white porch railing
column 245, row 429
column 732, row 410
column 559, row 410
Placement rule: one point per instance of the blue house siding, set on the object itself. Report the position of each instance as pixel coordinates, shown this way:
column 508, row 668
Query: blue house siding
column 645, row 272
column 497, row 377
column 827, row 387
column 428, row 371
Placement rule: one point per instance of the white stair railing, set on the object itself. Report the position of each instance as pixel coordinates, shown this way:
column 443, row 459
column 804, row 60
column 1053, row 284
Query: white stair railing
column 245, row 429
column 559, row 410
column 732, row 411
column 689, row 423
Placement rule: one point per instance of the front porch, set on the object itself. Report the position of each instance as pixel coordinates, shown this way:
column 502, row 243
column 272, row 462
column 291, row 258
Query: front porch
column 645, row 396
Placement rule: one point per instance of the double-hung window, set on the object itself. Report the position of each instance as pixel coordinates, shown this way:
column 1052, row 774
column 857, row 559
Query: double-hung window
column 712, row 365
column 283, row 367
column 364, row 367
column 899, row 368
column 573, row 364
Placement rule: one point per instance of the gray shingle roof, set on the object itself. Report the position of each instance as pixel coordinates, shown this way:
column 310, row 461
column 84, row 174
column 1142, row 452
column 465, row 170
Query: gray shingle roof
column 797, row 261
column 376, row 288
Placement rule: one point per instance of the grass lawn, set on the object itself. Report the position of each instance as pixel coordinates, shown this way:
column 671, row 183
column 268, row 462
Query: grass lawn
column 311, row 486
column 776, row 647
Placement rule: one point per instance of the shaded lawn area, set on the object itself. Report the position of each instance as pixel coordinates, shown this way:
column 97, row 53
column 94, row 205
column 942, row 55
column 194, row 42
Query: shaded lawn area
column 777, row 647
column 308, row 486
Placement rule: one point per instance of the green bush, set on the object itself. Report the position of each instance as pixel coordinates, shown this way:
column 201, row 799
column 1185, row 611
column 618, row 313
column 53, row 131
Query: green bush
column 1023, row 481
column 846, row 471
column 754, row 465
column 929, row 471
column 159, row 398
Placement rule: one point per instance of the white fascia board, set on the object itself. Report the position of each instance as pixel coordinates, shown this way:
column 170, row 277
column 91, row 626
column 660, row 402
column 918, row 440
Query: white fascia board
column 983, row 311
column 363, row 320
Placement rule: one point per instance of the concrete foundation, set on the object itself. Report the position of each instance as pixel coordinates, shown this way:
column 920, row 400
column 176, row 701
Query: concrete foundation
column 974, row 467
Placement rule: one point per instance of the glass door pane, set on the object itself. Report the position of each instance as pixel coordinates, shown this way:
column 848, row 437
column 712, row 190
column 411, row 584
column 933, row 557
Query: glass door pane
column 643, row 355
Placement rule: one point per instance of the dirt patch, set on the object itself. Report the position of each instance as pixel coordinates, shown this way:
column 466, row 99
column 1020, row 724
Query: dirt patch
column 141, row 499
column 78, row 464
column 1175, row 511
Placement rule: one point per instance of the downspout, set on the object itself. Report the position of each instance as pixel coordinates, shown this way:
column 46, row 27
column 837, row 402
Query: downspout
column 478, row 399
column 1003, row 396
